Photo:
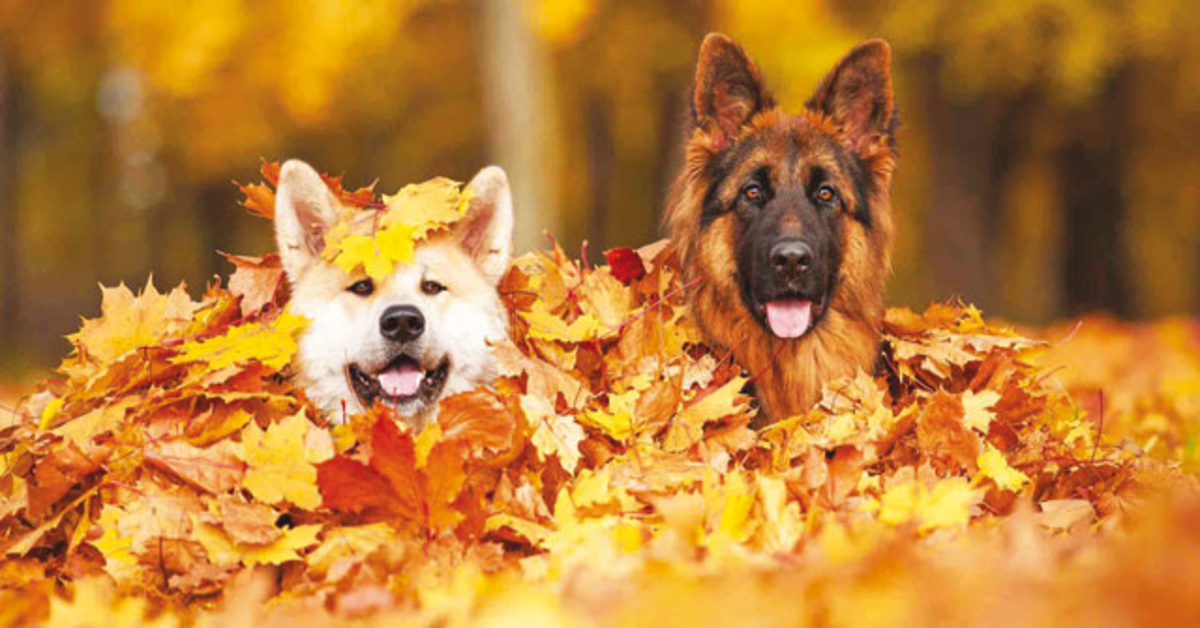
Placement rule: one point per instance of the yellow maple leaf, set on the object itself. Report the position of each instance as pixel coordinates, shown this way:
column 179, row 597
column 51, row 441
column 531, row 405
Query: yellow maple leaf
column 546, row 326
column 128, row 322
column 411, row 215
column 280, row 464
column 948, row 504
column 427, row 207
column 993, row 466
column 378, row 255
column 687, row 427
column 977, row 412
column 555, row 434
column 343, row 542
column 782, row 523
column 117, row 548
column 222, row 551
column 617, row 419
column 272, row 343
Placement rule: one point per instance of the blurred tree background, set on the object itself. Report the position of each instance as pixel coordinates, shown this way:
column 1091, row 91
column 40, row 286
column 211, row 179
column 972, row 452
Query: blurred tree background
column 1050, row 148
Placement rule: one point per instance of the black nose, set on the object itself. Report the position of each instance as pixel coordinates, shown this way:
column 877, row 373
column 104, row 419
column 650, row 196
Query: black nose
column 791, row 258
column 401, row 323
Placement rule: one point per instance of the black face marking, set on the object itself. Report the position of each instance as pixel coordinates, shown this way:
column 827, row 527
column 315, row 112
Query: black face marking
column 788, row 217
column 854, row 170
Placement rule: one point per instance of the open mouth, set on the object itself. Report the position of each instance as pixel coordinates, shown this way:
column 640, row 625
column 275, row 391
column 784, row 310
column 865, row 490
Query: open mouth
column 791, row 315
column 401, row 384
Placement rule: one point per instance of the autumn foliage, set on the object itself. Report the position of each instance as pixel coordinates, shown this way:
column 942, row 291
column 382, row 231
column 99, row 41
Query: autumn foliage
column 170, row 474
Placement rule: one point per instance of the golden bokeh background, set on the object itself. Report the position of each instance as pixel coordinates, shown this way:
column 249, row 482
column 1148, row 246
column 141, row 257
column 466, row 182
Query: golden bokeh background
column 1049, row 148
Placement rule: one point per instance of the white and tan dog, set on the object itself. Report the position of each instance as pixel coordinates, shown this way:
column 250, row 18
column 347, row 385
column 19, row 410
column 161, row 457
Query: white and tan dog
column 424, row 332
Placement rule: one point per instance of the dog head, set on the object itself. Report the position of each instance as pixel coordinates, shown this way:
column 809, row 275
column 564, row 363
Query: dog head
column 423, row 332
column 792, row 199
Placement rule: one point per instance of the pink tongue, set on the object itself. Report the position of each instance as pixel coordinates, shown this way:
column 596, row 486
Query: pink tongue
column 789, row 318
column 402, row 380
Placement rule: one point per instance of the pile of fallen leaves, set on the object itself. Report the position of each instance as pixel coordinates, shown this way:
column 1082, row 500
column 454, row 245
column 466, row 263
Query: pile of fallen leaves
column 172, row 475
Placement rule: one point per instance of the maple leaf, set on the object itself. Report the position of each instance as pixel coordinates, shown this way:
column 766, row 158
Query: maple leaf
column 687, row 427
column 279, row 462
column 391, row 485
column 993, row 466
column 554, row 434
column 547, row 326
column 427, row 207
column 977, row 412
column 626, row 264
column 942, row 432
column 56, row 474
column 272, row 343
column 948, row 504
column 410, row 216
column 479, row 419
column 213, row 469
column 256, row 280
column 223, row 551
column 128, row 322
column 377, row 255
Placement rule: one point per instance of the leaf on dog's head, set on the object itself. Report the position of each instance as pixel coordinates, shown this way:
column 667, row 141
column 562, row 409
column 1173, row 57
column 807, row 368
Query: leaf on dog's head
column 260, row 197
column 427, row 207
column 377, row 255
column 410, row 216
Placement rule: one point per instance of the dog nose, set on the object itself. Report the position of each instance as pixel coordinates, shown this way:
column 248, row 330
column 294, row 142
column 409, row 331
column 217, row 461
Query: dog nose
column 791, row 258
column 401, row 323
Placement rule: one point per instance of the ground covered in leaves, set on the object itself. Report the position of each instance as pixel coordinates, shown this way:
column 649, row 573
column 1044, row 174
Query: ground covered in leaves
column 169, row 474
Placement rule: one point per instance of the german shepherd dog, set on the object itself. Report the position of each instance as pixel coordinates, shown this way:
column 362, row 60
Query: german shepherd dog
column 784, row 220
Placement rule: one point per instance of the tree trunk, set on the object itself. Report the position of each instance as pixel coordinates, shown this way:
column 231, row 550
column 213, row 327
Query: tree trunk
column 601, row 166
column 1091, row 169
column 518, row 117
column 961, row 170
column 10, row 103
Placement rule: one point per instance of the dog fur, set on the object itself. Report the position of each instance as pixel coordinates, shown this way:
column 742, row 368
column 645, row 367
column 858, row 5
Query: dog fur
column 461, row 322
column 844, row 136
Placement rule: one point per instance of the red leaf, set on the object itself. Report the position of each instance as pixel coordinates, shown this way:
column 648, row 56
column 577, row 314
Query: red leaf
column 626, row 264
column 391, row 485
column 352, row 486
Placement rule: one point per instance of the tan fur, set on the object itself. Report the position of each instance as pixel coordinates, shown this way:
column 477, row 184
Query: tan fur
column 788, row 373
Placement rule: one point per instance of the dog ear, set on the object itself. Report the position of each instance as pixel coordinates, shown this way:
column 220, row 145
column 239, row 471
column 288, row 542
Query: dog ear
column 305, row 210
column 729, row 88
column 857, row 95
column 485, row 232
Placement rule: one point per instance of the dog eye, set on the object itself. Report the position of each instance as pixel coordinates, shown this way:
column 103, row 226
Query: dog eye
column 752, row 193
column 431, row 287
column 362, row 287
column 826, row 194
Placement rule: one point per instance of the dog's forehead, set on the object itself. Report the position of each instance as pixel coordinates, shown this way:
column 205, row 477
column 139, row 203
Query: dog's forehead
column 787, row 152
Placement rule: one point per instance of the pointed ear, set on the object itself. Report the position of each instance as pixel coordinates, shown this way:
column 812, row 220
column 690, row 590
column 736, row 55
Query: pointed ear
column 857, row 95
column 729, row 88
column 305, row 210
column 485, row 232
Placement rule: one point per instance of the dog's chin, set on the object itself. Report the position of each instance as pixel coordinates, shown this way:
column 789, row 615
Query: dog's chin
column 790, row 315
column 403, row 384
